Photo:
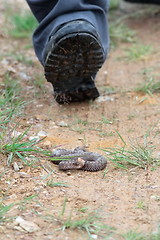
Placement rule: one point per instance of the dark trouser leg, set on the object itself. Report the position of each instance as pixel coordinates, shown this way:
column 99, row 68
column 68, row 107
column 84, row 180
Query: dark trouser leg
column 52, row 13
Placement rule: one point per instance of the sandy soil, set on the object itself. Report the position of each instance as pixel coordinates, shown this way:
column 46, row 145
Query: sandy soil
column 126, row 200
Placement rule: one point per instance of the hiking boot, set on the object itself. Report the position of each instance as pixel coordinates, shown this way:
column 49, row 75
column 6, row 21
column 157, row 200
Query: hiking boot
column 73, row 56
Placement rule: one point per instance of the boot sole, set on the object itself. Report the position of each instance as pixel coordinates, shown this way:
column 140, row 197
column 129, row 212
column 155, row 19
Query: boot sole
column 71, row 66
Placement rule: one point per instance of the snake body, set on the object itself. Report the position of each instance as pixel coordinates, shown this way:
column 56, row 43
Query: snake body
column 78, row 159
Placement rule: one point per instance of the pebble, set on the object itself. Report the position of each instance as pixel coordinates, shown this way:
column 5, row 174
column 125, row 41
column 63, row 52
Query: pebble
column 39, row 105
column 62, row 124
column 15, row 167
column 18, row 228
column 94, row 236
column 2, row 230
column 13, row 196
column 5, row 62
column 42, row 134
column 24, row 76
column 69, row 173
column 36, row 138
column 28, row 226
column 24, row 175
column 158, row 155
column 105, row 99
column 105, row 73
column 156, row 198
column 54, row 127
column 15, row 133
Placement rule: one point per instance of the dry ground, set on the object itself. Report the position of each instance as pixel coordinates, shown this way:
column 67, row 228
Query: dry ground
column 125, row 199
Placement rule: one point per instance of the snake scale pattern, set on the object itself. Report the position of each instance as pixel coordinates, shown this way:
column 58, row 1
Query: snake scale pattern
column 78, row 158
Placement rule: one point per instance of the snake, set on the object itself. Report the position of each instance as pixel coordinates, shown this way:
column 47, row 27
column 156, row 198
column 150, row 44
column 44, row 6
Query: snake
column 78, row 158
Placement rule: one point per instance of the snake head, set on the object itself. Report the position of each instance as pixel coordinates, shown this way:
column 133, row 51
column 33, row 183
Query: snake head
column 80, row 162
column 77, row 163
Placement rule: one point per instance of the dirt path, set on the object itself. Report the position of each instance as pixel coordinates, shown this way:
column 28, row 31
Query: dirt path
column 126, row 200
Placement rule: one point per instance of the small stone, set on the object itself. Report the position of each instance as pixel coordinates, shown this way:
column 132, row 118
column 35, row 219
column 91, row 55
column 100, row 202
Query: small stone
column 36, row 138
column 42, row 134
column 24, row 175
column 15, row 167
column 8, row 182
column 52, row 123
column 55, row 127
column 69, row 173
column 15, row 133
column 156, row 198
column 11, row 69
column 24, row 76
column 29, row 87
column 39, row 105
column 105, row 99
column 18, row 228
column 20, row 165
column 13, row 196
column 28, row 226
column 153, row 186
column 62, row 124
column 158, row 155
column 94, row 236
column 5, row 62
column 2, row 229
column 81, row 138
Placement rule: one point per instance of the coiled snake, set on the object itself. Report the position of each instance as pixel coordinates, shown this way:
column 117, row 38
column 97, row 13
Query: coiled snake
column 78, row 158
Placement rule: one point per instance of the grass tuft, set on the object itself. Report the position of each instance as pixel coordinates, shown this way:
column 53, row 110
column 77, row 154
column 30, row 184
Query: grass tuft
column 150, row 86
column 140, row 155
column 19, row 147
column 23, row 25
column 10, row 103
column 132, row 235
column 91, row 224
column 12, row 89
column 120, row 33
column 114, row 4
column 138, row 52
column 3, row 210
